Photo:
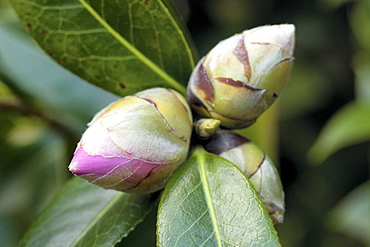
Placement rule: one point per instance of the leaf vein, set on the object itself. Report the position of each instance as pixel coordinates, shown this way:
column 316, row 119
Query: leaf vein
column 147, row 62
column 208, row 196
column 96, row 219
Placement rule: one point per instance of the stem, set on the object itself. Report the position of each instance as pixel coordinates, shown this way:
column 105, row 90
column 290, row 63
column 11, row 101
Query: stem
column 17, row 105
column 23, row 104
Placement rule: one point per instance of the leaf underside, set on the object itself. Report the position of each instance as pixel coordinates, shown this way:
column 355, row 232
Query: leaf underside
column 209, row 202
column 122, row 46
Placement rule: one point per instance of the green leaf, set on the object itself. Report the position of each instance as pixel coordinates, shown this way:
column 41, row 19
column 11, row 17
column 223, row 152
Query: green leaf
column 351, row 215
column 45, row 81
column 350, row 125
column 209, row 202
column 361, row 65
column 87, row 215
column 360, row 21
column 121, row 46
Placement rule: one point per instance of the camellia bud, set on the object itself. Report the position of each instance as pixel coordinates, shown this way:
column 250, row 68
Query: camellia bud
column 242, row 75
column 136, row 143
column 256, row 165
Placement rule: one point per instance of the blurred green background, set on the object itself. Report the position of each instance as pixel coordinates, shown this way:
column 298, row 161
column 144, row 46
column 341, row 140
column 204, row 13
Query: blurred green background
column 320, row 138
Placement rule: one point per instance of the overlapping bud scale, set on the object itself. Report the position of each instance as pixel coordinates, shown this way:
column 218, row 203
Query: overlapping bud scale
column 242, row 75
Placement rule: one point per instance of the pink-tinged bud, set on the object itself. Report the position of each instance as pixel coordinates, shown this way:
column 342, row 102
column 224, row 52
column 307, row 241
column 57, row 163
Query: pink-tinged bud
column 136, row 143
column 256, row 165
column 242, row 75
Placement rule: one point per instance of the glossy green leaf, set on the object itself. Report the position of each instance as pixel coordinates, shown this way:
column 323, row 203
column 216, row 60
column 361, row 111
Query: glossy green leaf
column 209, row 202
column 87, row 215
column 121, row 46
column 348, row 126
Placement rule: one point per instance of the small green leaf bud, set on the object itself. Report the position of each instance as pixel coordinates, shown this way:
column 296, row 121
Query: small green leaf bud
column 136, row 143
column 206, row 127
column 256, row 165
column 242, row 75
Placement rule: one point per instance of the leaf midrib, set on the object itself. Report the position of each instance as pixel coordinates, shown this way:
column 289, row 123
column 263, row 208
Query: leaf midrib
column 172, row 82
column 208, row 196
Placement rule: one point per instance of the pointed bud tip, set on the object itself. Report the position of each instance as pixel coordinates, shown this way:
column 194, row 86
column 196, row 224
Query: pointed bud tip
column 84, row 164
column 282, row 35
column 288, row 33
column 72, row 167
